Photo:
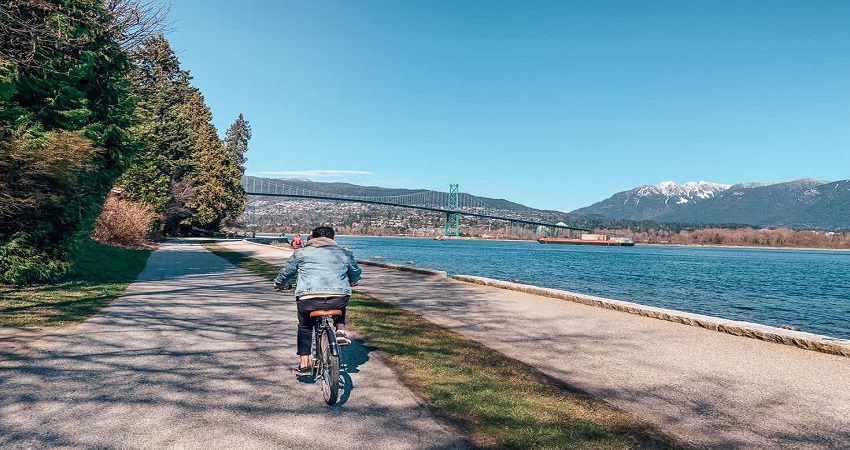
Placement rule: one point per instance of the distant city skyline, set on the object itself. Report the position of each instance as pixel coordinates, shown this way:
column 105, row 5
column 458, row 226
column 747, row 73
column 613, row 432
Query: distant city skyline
column 555, row 105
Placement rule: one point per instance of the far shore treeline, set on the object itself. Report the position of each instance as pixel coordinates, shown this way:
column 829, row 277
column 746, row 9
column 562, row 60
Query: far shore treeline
column 102, row 134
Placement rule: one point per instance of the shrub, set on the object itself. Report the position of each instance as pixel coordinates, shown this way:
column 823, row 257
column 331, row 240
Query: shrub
column 124, row 223
column 21, row 262
column 42, row 179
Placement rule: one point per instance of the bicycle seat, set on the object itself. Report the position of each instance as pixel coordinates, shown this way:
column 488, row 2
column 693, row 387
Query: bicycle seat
column 326, row 312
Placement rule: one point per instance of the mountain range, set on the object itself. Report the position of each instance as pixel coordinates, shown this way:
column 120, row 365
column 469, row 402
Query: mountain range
column 801, row 204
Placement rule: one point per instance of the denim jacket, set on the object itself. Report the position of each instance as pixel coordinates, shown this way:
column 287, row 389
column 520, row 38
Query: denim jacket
column 322, row 268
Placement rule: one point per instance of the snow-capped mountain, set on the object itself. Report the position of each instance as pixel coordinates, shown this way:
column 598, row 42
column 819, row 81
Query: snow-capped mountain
column 650, row 201
column 691, row 189
column 804, row 203
column 769, row 204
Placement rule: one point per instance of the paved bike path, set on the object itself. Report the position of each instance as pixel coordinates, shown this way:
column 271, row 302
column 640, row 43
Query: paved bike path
column 713, row 389
column 197, row 354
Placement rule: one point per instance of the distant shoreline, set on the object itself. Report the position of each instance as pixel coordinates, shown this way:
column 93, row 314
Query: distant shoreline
column 754, row 247
column 639, row 244
column 431, row 238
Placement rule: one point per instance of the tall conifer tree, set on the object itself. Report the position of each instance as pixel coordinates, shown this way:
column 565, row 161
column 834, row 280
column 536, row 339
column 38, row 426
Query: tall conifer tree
column 211, row 201
column 163, row 172
column 235, row 146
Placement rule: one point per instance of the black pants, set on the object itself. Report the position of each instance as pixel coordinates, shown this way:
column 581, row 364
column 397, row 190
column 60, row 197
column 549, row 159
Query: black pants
column 305, row 322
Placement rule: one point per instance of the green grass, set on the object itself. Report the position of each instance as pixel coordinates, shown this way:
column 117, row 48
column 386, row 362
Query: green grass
column 97, row 277
column 496, row 401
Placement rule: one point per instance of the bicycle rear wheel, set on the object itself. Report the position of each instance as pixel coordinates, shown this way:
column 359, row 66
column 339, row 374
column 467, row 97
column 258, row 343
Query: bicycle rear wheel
column 330, row 367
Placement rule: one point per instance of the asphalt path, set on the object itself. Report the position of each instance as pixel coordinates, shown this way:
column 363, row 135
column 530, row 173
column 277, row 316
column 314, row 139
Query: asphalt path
column 715, row 390
column 197, row 354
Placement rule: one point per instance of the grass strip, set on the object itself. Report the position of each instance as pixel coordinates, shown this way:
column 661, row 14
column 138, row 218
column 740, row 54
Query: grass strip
column 496, row 401
column 98, row 276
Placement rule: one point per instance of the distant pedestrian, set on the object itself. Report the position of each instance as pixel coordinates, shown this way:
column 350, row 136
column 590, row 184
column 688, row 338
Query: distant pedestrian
column 296, row 242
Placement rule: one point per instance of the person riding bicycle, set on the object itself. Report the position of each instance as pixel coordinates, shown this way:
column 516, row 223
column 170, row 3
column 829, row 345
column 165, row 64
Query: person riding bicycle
column 326, row 273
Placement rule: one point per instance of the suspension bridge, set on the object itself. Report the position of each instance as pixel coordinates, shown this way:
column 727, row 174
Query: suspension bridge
column 452, row 203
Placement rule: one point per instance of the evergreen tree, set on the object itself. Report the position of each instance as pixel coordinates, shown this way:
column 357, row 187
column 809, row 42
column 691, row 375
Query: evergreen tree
column 211, row 199
column 235, row 146
column 164, row 170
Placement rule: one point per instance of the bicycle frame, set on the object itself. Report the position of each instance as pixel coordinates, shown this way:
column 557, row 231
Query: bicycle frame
column 327, row 368
column 324, row 323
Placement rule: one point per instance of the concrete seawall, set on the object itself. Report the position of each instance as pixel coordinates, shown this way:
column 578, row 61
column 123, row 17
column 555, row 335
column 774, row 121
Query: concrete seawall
column 799, row 339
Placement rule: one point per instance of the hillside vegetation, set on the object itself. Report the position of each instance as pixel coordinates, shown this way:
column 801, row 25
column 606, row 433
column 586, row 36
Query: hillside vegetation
column 746, row 237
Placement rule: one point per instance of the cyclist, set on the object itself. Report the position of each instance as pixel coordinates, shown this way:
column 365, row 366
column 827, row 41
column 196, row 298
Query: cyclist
column 326, row 273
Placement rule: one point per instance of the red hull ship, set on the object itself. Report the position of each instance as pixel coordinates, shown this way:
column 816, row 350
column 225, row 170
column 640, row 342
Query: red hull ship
column 590, row 239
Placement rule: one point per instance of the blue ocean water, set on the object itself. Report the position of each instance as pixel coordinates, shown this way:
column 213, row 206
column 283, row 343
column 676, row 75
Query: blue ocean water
column 807, row 289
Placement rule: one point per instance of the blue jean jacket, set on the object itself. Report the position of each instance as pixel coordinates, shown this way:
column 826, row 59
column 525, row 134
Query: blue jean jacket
column 322, row 268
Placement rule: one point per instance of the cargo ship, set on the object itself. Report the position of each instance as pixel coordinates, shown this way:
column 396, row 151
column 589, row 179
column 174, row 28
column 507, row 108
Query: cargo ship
column 590, row 239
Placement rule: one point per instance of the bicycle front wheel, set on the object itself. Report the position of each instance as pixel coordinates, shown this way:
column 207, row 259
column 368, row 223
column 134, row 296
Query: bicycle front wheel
column 330, row 368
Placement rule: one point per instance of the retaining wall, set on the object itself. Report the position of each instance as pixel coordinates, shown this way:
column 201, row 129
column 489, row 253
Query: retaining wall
column 799, row 339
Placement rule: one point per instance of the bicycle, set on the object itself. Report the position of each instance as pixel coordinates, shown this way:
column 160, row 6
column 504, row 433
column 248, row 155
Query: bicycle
column 326, row 355
column 325, row 352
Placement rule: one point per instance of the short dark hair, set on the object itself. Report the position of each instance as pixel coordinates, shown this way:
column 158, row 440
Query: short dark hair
column 326, row 232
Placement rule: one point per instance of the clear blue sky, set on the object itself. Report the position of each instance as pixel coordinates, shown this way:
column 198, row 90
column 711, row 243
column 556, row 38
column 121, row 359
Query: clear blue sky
column 556, row 104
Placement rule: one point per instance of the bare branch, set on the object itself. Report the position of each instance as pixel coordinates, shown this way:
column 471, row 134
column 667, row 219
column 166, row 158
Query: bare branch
column 134, row 21
column 35, row 31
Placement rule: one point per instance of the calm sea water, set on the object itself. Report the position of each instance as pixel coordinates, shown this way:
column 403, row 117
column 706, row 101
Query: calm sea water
column 807, row 289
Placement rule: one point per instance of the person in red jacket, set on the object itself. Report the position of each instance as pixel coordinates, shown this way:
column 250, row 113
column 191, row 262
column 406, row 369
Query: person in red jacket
column 296, row 242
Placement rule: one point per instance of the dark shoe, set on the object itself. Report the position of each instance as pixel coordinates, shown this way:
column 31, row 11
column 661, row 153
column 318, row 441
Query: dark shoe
column 303, row 371
column 342, row 339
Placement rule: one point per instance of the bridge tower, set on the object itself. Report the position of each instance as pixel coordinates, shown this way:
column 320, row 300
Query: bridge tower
column 452, row 215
